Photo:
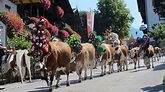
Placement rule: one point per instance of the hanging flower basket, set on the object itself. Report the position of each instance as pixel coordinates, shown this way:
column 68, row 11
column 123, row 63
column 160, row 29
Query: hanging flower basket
column 13, row 21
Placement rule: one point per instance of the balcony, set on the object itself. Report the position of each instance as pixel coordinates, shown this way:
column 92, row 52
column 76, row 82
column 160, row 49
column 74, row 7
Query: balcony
column 25, row 1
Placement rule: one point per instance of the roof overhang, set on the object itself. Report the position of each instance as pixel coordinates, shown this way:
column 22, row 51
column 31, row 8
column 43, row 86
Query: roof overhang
column 26, row 1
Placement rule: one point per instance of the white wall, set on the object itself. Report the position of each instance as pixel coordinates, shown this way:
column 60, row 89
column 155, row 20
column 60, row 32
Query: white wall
column 7, row 2
column 2, row 34
column 152, row 17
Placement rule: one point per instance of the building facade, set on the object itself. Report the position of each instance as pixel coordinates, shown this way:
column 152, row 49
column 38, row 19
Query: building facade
column 148, row 15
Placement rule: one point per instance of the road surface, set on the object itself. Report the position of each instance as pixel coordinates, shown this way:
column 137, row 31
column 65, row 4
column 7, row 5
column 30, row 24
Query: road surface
column 133, row 80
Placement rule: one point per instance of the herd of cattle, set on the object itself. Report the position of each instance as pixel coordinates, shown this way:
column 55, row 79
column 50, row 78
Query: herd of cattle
column 61, row 57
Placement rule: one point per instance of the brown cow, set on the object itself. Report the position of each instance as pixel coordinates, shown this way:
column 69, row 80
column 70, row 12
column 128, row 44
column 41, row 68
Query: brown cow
column 106, row 58
column 85, row 59
column 157, row 52
column 148, row 56
column 58, row 60
column 121, row 54
column 134, row 55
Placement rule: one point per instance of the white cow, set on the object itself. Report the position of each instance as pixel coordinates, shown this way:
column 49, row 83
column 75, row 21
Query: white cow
column 18, row 60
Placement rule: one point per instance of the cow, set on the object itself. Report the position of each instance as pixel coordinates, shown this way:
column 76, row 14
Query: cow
column 121, row 54
column 106, row 58
column 17, row 60
column 84, row 60
column 157, row 52
column 134, row 55
column 58, row 60
column 148, row 56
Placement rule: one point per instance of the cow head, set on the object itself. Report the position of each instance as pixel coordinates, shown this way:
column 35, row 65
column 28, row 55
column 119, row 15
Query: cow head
column 38, row 58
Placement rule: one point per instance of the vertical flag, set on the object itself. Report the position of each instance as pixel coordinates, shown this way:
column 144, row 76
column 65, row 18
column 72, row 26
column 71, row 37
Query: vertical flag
column 90, row 22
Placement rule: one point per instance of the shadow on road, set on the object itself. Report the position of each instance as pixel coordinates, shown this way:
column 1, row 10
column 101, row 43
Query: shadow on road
column 156, row 88
column 41, row 90
column 138, row 70
column 159, row 67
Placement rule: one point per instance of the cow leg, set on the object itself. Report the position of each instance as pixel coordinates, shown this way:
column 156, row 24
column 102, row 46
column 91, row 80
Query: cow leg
column 85, row 72
column 79, row 70
column 101, row 70
column 134, row 63
column 58, row 79
column 105, row 69
column 20, row 73
column 91, row 68
column 152, row 63
column 118, row 66
column 122, row 66
column 111, row 67
column 138, row 61
column 146, row 62
column 67, row 73
column 51, row 79
column 28, row 68
column 126, row 64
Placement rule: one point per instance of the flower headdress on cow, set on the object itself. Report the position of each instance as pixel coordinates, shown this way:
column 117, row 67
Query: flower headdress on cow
column 40, row 35
column 75, row 43
column 96, row 41
column 110, row 36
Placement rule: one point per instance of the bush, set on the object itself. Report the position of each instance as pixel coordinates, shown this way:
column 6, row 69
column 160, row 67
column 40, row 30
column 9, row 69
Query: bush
column 18, row 42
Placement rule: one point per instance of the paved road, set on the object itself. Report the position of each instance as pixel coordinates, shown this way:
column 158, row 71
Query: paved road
column 139, row 80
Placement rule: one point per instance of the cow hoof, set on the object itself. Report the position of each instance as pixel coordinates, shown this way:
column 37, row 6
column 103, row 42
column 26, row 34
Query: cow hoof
column 148, row 67
column 101, row 75
column 153, row 67
column 127, row 69
column 57, row 86
column 50, row 90
column 79, row 81
column 85, row 78
column 91, row 77
column 134, row 67
column 68, row 84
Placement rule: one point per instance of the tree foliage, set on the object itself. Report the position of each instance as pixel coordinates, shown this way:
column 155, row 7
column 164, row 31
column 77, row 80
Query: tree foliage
column 158, row 32
column 113, row 13
column 159, row 7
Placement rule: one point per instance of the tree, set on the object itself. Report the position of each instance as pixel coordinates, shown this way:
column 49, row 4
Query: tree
column 83, row 18
column 158, row 32
column 159, row 7
column 113, row 13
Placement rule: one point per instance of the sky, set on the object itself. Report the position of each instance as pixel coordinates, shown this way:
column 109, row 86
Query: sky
column 86, row 5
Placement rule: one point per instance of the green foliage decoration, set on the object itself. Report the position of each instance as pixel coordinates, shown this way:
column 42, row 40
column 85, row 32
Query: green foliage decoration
column 74, row 42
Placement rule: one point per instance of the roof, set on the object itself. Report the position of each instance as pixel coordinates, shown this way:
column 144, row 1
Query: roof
column 141, row 8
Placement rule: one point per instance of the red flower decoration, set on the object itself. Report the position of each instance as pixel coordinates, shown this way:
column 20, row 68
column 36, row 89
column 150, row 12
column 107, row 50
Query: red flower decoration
column 54, row 30
column 60, row 11
column 13, row 21
column 65, row 34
